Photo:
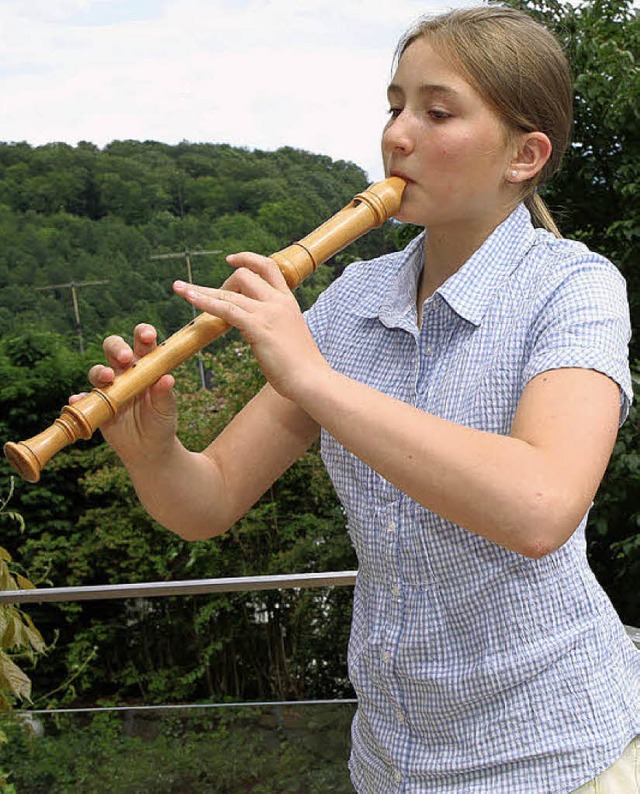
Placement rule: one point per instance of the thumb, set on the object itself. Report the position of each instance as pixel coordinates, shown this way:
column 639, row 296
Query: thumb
column 162, row 396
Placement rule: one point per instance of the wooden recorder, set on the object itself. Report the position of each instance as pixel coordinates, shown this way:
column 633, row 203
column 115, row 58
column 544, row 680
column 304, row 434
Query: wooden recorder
column 367, row 210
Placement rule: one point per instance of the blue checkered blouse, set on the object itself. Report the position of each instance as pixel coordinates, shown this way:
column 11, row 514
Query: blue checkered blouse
column 477, row 670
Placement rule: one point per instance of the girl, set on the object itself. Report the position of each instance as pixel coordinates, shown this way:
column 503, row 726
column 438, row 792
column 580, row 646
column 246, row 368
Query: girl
column 468, row 392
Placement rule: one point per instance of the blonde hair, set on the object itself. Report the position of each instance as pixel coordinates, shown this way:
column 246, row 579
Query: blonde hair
column 519, row 68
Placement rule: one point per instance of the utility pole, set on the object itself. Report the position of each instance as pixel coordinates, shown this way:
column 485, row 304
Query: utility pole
column 73, row 286
column 186, row 255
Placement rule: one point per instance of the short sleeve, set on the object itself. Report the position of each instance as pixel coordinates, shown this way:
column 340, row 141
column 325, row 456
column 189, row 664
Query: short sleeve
column 585, row 323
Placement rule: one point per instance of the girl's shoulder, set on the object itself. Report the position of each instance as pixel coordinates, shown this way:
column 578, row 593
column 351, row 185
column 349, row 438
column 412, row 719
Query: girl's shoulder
column 567, row 255
column 556, row 266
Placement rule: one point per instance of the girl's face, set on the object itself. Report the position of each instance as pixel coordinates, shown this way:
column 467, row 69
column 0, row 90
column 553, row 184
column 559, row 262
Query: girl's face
column 447, row 142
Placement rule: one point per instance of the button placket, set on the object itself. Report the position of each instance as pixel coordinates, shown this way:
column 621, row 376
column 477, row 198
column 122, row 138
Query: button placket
column 426, row 344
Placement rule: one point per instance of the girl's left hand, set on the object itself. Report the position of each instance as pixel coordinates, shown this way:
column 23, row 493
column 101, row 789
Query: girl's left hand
column 257, row 301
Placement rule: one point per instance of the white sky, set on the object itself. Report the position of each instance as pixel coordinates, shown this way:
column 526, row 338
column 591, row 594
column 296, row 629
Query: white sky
column 258, row 73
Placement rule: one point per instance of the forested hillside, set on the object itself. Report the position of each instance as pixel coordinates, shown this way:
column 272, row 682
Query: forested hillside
column 82, row 215
column 79, row 214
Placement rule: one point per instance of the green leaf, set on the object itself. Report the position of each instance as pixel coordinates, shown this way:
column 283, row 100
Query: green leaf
column 13, row 679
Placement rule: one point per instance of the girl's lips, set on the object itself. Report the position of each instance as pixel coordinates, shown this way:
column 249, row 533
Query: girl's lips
column 402, row 176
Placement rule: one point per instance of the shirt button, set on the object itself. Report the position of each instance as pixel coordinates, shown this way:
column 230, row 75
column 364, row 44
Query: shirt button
column 429, row 350
column 391, row 526
column 386, row 656
column 400, row 717
column 397, row 776
column 395, row 590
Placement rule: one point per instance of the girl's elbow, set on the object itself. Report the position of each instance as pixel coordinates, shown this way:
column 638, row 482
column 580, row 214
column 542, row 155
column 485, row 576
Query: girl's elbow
column 538, row 547
column 549, row 527
column 193, row 533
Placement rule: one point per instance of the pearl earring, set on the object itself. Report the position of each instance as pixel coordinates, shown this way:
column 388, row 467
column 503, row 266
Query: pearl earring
column 514, row 174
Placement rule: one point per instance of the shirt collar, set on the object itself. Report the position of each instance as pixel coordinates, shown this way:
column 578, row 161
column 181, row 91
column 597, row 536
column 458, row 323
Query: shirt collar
column 470, row 290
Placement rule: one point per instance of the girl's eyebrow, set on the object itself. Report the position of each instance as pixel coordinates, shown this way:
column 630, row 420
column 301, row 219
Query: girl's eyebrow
column 427, row 89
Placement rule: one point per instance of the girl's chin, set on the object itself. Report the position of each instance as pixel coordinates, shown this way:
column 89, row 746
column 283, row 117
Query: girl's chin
column 412, row 210
column 411, row 215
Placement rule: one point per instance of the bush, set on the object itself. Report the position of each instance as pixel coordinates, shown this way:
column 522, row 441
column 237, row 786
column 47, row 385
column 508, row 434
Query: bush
column 279, row 750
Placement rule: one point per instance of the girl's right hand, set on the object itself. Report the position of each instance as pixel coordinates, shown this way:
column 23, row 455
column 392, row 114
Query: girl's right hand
column 145, row 427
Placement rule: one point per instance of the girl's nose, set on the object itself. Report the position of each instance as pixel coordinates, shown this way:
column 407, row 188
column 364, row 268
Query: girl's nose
column 398, row 134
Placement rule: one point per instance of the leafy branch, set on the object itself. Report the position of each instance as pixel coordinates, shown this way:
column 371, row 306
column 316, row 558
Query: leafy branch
column 19, row 638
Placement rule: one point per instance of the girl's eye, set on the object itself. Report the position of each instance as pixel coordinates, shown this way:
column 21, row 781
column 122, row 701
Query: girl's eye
column 394, row 112
column 439, row 115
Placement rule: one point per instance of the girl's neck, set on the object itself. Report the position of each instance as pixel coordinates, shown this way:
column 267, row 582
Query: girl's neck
column 446, row 250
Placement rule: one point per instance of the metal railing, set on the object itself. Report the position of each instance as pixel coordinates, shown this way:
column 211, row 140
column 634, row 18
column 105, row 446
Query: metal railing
column 177, row 588
column 196, row 587
column 634, row 633
column 188, row 587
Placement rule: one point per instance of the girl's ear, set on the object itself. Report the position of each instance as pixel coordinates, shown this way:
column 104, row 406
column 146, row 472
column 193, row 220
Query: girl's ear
column 533, row 151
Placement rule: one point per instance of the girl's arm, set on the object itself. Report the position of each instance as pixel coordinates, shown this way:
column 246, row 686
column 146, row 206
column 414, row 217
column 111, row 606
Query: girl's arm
column 527, row 491
column 198, row 495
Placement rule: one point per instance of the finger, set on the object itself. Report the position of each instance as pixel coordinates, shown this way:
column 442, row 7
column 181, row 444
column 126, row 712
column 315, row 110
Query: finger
column 227, row 304
column 262, row 265
column 214, row 301
column 162, row 394
column 118, row 353
column 248, row 282
column 99, row 375
column 162, row 397
column 144, row 340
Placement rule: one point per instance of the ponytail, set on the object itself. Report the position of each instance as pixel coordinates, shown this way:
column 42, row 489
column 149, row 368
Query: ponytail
column 540, row 213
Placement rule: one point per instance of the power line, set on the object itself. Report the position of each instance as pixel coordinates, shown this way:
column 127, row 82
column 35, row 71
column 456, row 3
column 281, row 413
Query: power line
column 73, row 286
column 186, row 255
